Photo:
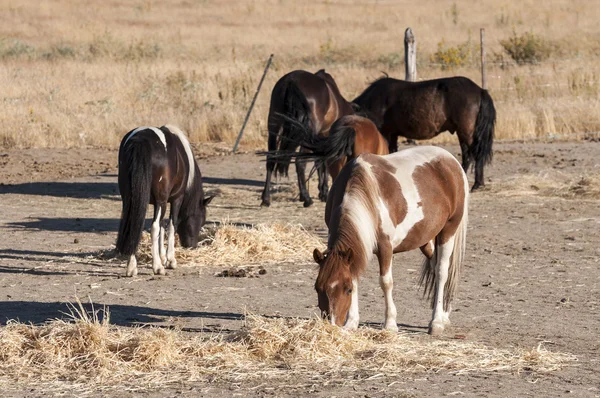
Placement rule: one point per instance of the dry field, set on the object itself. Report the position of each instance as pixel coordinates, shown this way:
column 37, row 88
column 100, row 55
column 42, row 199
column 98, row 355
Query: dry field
column 75, row 73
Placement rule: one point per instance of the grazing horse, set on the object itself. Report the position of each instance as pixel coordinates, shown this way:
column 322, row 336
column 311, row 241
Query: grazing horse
column 348, row 137
column 422, row 110
column 156, row 165
column 415, row 198
column 314, row 101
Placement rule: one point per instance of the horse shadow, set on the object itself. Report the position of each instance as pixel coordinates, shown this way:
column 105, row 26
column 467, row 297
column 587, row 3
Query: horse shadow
column 76, row 190
column 66, row 224
column 35, row 312
column 232, row 181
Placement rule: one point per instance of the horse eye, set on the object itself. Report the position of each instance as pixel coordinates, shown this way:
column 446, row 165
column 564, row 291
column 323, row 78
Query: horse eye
column 349, row 291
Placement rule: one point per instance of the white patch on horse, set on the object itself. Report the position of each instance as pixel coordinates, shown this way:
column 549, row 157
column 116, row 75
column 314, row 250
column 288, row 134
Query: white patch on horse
column 334, row 284
column 160, row 134
column 188, row 151
column 160, row 179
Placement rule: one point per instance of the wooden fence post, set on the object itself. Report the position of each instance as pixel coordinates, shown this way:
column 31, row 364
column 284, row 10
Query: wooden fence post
column 262, row 79
column 483, row 75
column 410, row 55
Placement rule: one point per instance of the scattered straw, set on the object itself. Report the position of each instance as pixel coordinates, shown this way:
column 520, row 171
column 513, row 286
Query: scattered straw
column 555, row 184
column 89, row 353
column 227, row 244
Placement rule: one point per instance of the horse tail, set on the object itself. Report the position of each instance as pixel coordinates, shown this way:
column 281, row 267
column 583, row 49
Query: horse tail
column 295, row 107
column 339, row 143
column 428, row 278
column 135, row 180
column 483, row 137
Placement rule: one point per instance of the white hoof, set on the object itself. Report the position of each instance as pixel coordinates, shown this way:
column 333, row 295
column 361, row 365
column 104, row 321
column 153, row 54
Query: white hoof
column 171, row 264
column 391, row 326
column 159, row 271
column 436, row 329
column 131, row 272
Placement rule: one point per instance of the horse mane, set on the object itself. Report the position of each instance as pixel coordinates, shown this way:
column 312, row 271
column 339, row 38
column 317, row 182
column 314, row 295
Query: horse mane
column 354, row 230
column 188, row 152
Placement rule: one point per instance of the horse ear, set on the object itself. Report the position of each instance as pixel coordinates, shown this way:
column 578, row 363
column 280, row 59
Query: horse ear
column 318, row 256
column 207, row 200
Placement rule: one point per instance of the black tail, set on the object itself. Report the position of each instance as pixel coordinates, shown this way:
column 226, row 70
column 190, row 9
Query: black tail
column 297, row 109
column 483, row 138
column 135, row 179
column 337, row 145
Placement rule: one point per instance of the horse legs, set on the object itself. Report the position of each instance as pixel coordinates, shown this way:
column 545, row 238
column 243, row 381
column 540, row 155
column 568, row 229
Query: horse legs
column 266, row 195
column 301, row 171
column 386, row 281
column 478, row 174
column 323, row 182
column 352, row 320
column 161, row 243
column 173, row 222
column 466, row 156
column 157, row 266
column 132, row 266
column 440, row 314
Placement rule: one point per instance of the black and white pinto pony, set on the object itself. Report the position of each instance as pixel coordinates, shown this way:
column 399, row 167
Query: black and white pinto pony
column 157, row 166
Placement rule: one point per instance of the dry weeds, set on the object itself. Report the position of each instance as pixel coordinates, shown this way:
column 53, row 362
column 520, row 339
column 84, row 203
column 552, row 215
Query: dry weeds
column 88, row 354
column 552, row 184
column 75, row 74
column 226, row 244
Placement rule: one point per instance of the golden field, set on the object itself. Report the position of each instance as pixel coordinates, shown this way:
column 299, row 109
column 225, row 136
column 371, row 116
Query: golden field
column 78, row 73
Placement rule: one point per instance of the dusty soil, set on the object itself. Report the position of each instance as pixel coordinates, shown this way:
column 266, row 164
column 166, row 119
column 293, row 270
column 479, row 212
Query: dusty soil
column 531, row 274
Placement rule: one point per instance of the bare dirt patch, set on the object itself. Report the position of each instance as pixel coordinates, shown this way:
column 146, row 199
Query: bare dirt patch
column 531, row 273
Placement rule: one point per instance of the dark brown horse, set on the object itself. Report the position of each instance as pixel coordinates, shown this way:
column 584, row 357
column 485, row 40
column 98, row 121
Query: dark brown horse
column 314, row 101
column 157, row 166
column 422, row 110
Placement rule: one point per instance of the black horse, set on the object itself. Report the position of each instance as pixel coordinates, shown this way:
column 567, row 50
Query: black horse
column 156, row 165
column 422, row 110
column 313, row 100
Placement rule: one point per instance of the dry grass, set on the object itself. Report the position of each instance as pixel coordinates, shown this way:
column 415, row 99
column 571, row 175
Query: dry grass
column 552, row 184
column 76, row 74
column 229, row 245
column 88, row 354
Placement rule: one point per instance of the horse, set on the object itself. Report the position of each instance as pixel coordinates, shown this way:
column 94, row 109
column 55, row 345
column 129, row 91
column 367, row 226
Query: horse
column 156, row 166
column 349, row 136
column 415, row 198
column 422, row 110
column 315, row 101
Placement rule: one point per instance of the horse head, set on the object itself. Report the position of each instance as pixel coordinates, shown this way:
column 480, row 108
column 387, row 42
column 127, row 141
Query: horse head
column 191, row 221
column 334, row 284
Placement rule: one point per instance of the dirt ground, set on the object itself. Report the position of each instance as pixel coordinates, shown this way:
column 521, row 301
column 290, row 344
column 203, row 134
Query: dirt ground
column 531, row 273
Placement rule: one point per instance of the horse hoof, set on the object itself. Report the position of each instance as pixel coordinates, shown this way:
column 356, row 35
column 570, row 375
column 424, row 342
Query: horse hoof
column 132, row 272
column 265, row 203
column 171, row 264
column 308, row 203
column 160, row 271
column 436, row 330
column 392, row 327
column 323, row 198
column 476, row 186
column 350, row 325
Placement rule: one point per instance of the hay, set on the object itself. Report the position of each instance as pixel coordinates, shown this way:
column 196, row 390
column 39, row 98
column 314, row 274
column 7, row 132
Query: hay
column 552, row 185
column 88, row 354
column 227, row 244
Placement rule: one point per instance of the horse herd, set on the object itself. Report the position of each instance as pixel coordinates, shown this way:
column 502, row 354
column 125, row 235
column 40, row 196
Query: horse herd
column 380, row 202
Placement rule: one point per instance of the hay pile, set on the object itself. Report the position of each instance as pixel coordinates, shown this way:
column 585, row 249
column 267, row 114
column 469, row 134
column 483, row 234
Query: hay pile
column 88, row 354
column 227, row 244
column 555, row 185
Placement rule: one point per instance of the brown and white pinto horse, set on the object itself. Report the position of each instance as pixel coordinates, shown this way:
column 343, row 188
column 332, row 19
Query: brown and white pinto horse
column 315, row 102
column 156, row 165
column 415, row 198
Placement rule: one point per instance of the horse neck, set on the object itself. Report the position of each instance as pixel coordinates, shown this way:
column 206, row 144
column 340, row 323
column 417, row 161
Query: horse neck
column 193, row 194
column 353, row 225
